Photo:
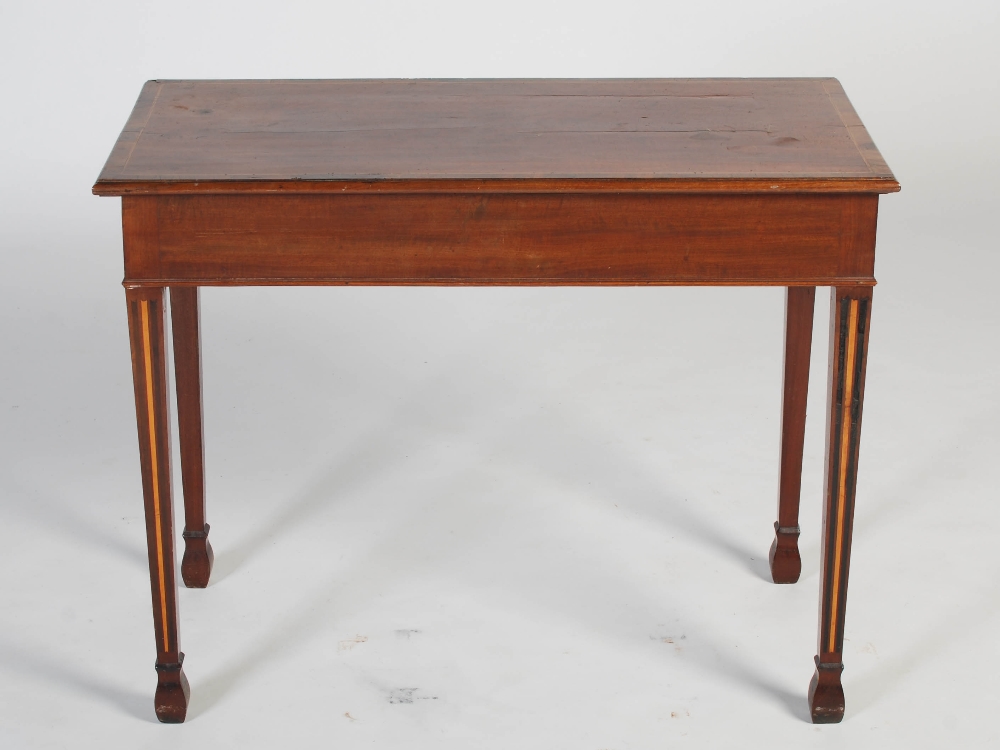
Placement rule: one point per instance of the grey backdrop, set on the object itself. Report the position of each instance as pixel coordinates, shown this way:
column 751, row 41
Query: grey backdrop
column 499, row 518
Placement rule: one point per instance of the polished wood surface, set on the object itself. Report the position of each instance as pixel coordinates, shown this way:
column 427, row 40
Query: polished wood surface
column 850, row 319
column 500, row 239
column 149, row 369
column 762, row 135
column 505, row 182
column 786, row 564
column 196, row 566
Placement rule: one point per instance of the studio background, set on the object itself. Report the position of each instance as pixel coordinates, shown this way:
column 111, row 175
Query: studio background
column 495, row 518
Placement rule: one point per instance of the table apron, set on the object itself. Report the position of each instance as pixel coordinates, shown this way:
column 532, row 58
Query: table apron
column 500, row 239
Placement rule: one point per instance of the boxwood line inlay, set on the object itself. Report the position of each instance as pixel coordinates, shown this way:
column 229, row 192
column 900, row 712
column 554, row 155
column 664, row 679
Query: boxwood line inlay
column 154, row 465
column 845, row 440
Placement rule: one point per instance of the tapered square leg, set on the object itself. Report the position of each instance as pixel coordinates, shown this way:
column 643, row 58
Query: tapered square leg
column 149, row 374
column 850, row 315
column 196, row 567
column 786, row 565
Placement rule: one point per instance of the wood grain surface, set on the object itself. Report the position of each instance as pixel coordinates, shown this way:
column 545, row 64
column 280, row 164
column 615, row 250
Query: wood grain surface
column 185, row 315
column 530, row 135
column 574, row 239
column 784, row 557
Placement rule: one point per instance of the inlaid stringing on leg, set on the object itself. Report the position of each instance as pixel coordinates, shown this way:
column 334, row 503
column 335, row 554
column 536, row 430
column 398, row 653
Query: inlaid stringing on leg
column 845, row 444
column 148, row 359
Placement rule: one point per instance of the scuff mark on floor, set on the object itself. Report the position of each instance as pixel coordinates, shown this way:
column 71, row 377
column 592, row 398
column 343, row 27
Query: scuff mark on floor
column 348, row 644
column 671, row 639
column 406, row 695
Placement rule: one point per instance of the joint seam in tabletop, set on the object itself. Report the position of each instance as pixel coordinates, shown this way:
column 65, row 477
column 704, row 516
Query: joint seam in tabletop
column 147, row 355
column 845, row 434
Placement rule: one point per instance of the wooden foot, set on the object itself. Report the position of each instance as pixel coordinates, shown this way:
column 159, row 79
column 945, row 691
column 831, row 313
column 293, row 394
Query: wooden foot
column 826, row 694
column 786, row 565
column 196, row 567
column 849, row 323
column 149, row 374
column 172, row 692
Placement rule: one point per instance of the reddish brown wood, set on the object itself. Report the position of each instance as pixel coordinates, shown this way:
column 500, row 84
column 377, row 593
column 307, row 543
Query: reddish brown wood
column 149, row 370
column 590, row 182
column 492, row 187
column 172, row 692
column 826, row 693
column 500, row 239
column 786, row 565
column 139, row 233
column 856, row 129
column 196, row 567
column 733, row 135
column 850, row 317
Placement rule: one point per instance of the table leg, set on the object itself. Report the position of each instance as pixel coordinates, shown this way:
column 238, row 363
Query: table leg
column 149, row 373
column 849, row 323
column 800, row 301
column 196, row 566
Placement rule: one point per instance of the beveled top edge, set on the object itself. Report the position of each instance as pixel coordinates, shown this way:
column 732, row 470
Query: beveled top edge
column 525, row 186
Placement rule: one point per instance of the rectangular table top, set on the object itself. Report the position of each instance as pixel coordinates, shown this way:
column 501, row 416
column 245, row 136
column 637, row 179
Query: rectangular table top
column 499, row 135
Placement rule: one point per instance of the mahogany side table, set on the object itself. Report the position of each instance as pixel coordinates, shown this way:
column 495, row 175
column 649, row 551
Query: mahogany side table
column 498, row 182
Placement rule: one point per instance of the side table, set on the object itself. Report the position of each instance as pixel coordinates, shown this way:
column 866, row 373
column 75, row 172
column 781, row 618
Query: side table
column 498, row 182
